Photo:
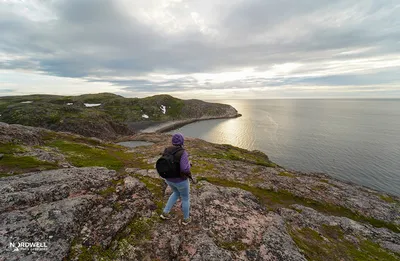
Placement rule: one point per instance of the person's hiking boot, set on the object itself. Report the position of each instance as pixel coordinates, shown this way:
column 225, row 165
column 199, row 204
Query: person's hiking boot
column 186, row 221
column 165, row 216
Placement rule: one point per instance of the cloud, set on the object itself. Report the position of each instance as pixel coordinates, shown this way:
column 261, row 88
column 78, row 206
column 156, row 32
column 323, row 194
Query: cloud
column 186, row 45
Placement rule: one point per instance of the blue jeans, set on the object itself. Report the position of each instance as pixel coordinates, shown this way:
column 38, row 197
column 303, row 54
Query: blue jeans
column 182, row 190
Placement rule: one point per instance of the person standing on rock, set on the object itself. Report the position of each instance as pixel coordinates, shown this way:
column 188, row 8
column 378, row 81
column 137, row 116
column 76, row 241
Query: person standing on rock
column 180, row 185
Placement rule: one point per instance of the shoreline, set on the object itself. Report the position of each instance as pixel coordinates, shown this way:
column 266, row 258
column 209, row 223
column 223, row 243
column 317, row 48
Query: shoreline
column 172, row 125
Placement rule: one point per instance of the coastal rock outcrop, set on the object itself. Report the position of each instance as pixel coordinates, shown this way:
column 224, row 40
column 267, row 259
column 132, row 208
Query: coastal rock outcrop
column 105, row 205
column 53, row 207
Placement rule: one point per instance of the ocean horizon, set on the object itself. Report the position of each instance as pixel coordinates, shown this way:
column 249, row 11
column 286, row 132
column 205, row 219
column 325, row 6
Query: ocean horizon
column 356, row 140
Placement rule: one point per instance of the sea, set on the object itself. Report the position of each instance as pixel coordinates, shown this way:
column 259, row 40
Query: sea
column 356, row 140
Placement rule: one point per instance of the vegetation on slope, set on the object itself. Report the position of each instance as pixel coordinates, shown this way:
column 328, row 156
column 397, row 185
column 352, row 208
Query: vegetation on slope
column 113, row 116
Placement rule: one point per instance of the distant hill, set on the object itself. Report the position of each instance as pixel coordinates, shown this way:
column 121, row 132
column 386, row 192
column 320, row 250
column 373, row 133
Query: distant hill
column 104, row 115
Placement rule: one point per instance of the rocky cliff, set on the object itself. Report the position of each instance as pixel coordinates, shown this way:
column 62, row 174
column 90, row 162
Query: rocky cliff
column 105, row 115
column 86, row 199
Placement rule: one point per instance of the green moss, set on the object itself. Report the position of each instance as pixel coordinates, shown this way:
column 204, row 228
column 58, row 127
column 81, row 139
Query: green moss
column 117, row 206
column 387, row 198
column 266, row 163
column 198, row 186
column 257, row 170
column 313, row 245
column 370, row 251
column 233, row 245
column 136, row 233
column 10, row 148
column 325, row 181
column 286, row 174
column 25, row 162
column 201, row 166
column 297, row 210
column 131, row 159
column 330, row 245
column 95, row 252
column 140, row 228
column 154, row 185
column 107, row 191
column 318, row 187
column 274, row 200
column 17, row 165
column 229, row 152
column 112, row 188
column 85, row 152
column 334, row 232
column 79, row 151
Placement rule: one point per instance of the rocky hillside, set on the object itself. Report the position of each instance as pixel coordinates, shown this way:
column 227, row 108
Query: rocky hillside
column 91, row 200
column 105, row 115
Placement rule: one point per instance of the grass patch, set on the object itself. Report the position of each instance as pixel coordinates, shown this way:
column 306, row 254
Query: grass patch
column 81, row 155
column 25, row 162
column 200, row 166
column 330, row 245
column 10, row 148
column 130, row 159
column 79, row 151
column 11, row 165
column 286, row 174
column 386, row 198
column 265, row 163
column 229, row 152
column 112, row 157
column 274, row 200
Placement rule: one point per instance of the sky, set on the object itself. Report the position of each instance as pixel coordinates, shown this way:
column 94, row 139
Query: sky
column 226, row 49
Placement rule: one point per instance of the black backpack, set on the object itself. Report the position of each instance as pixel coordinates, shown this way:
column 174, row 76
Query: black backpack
column 168, row 165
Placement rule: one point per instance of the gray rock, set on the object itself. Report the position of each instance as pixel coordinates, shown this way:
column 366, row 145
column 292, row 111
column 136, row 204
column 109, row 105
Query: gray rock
column 306, row 217
column 54, row 207
column 20, row 134
column 228, row 224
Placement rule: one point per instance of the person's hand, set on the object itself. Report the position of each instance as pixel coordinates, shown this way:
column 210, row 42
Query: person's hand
column 194, row 180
